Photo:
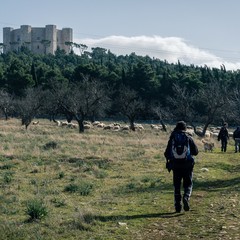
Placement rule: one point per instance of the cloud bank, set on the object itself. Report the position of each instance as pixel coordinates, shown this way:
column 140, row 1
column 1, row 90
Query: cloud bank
column 171, row 49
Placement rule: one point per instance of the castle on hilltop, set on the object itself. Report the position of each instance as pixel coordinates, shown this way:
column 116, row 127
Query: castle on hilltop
column 41, row 40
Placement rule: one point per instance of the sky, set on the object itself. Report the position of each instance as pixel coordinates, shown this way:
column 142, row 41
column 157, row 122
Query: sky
column 198, row 32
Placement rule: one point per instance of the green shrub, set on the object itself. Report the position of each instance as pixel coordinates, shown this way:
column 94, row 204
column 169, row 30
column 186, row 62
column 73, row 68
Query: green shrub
column 61, row 175
column 71, row 188
column 50, row 145
column 36, row 209
column 84, row 188
column 7, row 177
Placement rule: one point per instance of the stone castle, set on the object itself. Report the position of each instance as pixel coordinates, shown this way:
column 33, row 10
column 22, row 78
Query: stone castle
column 41, row 40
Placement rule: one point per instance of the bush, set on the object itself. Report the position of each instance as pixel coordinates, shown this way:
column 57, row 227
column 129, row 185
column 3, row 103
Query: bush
column 8, row 177
column 36, row 209
column 71, row 188
column 50, row 145
column 84, row 188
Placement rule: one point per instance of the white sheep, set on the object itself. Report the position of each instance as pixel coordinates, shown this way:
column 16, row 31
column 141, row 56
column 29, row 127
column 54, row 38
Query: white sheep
column 101, row 125
column 87, row 123
column 116, row 128
column 87, row 126
column 108, row 127
column 155, row 127
column 139, row 127
column 95, row 123
column 125, row 128
column 63, row 123
column 58, row 123
column 72, row 125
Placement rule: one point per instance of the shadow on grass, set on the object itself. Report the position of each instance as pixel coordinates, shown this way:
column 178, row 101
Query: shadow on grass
column 137, row 216
column 224, row 166
column 217, row 185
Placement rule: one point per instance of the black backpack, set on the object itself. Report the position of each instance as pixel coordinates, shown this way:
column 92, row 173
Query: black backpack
column 180, row 146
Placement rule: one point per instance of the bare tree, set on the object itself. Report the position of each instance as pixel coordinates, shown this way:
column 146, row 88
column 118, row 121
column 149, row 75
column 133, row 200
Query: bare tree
column 55, row 98
column 182, row 103
column 83, row 99
column 129, row 104
column 30, row 105
column 212, row 99
column 203, row 106
column 234, row 106
column 162, row 113
column 6, row 103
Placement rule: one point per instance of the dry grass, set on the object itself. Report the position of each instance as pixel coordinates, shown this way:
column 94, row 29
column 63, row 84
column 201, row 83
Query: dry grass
column 109, row 185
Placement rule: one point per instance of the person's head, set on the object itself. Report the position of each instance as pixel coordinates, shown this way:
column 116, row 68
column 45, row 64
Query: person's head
column 225, row 124
column 181, row 126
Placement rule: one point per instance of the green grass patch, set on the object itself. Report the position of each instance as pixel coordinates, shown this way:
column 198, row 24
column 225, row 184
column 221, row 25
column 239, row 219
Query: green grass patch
column 109, row 185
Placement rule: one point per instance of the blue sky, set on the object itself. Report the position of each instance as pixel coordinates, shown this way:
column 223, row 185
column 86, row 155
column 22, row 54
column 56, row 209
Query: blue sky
column 194, row 32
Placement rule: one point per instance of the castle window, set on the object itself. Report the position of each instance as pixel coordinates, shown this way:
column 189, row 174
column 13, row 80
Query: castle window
column 38, row 47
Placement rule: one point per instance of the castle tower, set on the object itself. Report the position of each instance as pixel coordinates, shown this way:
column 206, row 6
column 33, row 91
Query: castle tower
column 51, row 38
column 65, row 35
column 7, row 39
column 25, row 38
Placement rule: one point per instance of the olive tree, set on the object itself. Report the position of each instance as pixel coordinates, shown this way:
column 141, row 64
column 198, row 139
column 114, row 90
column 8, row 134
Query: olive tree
column 203, row 106
column 84, row 99
column 6, row 103
column 129, row 104
column 30, row 105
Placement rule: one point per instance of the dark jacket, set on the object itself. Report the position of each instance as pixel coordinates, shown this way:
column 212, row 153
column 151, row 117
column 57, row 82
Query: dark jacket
column 236, row 133
column 223, row 134
column 193, row 147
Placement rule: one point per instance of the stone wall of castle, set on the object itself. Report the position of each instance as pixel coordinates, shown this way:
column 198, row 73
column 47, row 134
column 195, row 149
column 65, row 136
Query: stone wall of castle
column 38, row 40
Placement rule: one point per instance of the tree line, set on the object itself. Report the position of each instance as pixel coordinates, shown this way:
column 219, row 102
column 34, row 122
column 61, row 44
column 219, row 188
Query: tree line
column 98, row 83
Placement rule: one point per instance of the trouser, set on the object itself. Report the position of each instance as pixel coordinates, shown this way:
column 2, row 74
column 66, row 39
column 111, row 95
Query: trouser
column 184, row 175
column 224, row 145
column 237, row 144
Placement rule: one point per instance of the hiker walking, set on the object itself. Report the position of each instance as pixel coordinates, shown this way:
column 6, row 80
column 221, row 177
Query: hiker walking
column 223, row 136
column 236, row 137
column 178, row 154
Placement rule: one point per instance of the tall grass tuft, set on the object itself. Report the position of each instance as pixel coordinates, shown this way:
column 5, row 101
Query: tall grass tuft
column 84, row 188
column 83, row 220
column 36, row 209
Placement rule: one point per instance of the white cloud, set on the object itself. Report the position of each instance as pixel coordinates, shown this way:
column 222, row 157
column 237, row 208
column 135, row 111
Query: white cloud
column 171, row 49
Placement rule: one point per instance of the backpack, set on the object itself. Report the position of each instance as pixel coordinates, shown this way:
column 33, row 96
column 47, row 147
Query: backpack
column 180, row 146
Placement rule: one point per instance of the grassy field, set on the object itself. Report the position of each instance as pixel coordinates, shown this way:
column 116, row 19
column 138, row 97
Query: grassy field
column 58, row 184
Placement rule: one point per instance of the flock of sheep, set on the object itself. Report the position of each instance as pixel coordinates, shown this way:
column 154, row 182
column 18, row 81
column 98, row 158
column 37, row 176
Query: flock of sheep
column 211, row 133
column 97, row 124
column 208, row 138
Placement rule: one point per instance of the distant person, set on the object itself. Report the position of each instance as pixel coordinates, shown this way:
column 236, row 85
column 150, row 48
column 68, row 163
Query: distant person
column 236, row 137
column 223, row 136
column 178, row 154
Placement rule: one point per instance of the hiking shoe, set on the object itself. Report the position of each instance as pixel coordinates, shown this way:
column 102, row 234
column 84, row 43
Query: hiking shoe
column 186, row 204
column 178, row 208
